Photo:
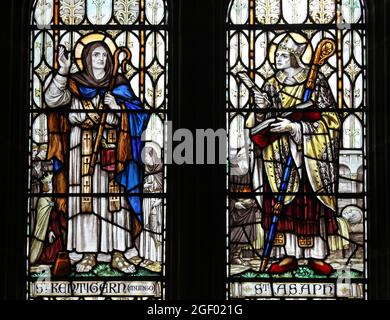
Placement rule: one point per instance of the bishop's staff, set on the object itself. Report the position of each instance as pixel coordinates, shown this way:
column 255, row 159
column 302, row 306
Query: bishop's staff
column 325, row 49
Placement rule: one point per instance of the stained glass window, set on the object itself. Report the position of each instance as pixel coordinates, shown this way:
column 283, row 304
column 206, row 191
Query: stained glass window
column 296, row 112
column 97, row 178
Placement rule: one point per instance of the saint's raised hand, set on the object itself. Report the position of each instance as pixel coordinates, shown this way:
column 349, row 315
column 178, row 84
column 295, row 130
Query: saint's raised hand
column 64, row 61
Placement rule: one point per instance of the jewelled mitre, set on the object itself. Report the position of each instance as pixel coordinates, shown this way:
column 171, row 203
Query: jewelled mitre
column 288, row 44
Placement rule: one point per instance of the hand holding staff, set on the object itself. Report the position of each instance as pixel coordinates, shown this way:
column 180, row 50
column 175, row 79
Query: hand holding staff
column 103, row 117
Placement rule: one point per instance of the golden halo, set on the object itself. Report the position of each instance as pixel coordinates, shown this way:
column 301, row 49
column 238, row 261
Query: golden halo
column 298, row 38
column 84, row 41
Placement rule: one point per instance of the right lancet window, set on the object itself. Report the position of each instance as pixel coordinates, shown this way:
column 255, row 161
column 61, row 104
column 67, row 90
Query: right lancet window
column 297, row 118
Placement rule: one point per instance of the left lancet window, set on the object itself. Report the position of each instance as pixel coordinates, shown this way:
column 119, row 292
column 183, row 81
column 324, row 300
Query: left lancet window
column 97, row 178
